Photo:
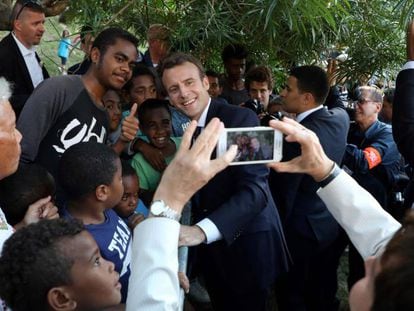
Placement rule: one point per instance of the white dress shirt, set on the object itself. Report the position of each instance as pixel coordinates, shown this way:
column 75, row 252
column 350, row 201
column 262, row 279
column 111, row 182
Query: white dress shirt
column 32, row 64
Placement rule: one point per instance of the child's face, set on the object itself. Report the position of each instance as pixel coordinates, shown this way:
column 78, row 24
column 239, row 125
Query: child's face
column 143, row 87
column 156, row 126
column 95, row 282
column 129, row 200
column 116, row 188
column 112, row 103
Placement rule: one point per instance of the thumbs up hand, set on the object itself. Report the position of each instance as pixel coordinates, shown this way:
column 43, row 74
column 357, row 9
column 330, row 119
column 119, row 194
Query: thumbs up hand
column 130, row 126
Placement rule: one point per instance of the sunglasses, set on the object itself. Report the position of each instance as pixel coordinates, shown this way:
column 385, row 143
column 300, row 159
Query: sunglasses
column 28, row 4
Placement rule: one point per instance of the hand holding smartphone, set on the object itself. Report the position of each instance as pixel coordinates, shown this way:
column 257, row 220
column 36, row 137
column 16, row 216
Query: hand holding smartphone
column 255, row 144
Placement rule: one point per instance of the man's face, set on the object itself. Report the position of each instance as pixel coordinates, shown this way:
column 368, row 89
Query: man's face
column 215, row 89
column 10, row 139
column 255, row 144
column 96, row 283
column 114, row 68
column 29, row 27
column 235, row 68
column 187, row 91
column 143, row 88
column 366, row 109
column 260, row 91
column 291, row 96
column 162, row 47
column 386, row 111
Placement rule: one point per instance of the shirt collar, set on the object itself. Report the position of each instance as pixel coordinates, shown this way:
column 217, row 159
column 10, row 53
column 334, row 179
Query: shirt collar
column 301, row 116
column 24, row 50
column 203, row 118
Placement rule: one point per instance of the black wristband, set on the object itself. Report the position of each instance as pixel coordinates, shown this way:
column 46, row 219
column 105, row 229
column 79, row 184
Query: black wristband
column 332, row 175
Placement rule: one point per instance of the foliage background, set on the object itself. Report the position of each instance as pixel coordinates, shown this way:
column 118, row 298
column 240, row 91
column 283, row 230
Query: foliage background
column 280, row 33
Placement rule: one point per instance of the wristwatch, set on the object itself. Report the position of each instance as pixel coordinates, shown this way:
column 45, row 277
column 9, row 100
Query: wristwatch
column 160, row 209
column 335, row 171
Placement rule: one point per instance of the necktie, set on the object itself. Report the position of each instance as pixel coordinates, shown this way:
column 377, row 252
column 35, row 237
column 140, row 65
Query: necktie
column 196, row 134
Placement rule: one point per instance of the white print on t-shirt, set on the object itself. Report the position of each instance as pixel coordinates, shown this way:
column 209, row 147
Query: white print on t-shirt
column 85, row 133
column 120, row 244
column 120, row 239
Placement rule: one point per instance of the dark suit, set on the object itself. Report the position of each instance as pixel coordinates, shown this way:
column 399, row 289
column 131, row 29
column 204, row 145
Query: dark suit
column 403, row 124
column 240, row 268
column 310, row 229
column 13, row 68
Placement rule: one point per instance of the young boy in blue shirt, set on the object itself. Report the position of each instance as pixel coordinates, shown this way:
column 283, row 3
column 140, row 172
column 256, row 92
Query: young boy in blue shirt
column 91, row 176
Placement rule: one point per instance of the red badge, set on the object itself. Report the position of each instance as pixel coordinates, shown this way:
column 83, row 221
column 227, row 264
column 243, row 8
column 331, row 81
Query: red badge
column 373, row 157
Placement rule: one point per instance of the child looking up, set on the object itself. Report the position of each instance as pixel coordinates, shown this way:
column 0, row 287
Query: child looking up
column 56, row 265
column 91, row 176
column 128, row 208
column 155, row 123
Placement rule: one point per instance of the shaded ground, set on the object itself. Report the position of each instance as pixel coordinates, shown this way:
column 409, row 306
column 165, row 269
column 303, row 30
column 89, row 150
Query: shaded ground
column 342, row 293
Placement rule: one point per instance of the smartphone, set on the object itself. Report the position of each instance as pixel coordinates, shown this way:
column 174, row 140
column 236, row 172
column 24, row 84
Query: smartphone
column 255, row 145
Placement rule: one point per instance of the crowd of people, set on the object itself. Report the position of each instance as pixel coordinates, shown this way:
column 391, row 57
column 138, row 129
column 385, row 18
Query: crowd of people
column 97, row 165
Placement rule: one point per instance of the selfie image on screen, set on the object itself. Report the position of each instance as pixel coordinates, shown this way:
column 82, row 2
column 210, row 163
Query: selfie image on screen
column 252, row 145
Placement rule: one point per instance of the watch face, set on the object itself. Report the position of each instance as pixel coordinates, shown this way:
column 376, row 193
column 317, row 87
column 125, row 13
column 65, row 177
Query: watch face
column 157, row 207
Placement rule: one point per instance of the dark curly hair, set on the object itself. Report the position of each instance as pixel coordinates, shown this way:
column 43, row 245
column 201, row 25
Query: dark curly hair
column 32, row 263
column 149, row 105
column 235, row 50
column 28, row 184
column 110, row 36
column 85, row 166
column 259, row 74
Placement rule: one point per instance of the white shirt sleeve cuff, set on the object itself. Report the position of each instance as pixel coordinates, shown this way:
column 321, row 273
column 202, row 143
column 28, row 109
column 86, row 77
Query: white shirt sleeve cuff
column 210, row 230
column 408, row 65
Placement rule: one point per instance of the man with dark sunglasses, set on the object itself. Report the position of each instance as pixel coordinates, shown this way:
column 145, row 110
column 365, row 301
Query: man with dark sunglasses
column 20, row 63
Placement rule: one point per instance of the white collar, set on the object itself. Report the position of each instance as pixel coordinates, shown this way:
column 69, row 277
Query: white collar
column 303, row 115
column 203, row 118
column 24, row 50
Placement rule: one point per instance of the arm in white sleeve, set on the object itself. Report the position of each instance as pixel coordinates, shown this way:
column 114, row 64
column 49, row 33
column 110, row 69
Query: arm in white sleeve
column 210, row 230
column 368, row 226
column 153, row 284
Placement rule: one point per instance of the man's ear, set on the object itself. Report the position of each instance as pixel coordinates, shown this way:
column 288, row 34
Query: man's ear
column 308, row 100
column 101, row 192
column 379, row 106
column 59, row 298
column 16, row 24
column 206, row 84
column 95, row 55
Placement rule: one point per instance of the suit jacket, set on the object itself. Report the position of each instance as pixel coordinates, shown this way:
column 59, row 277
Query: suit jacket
column 13, row 68
column 403, row 114
column 238, row 201
column 302, row 211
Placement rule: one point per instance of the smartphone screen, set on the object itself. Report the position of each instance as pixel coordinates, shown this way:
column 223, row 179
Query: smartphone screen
column 254, row 144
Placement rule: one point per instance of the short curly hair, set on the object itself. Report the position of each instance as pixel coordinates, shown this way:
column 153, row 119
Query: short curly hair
column 85, row 166
column 259, row 74
column 32, row 263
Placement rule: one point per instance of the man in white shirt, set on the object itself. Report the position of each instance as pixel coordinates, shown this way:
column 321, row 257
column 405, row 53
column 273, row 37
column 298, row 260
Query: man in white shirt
column 20, row 62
